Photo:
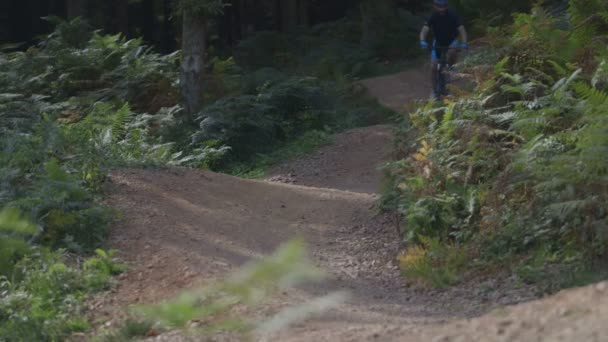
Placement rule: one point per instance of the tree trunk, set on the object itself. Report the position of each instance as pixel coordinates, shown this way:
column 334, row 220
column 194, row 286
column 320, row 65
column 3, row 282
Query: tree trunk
column 192, row 68
column 75, row 8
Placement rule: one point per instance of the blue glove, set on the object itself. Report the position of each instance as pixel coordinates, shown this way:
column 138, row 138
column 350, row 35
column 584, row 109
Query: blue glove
column 464, row 46
column 424, row 44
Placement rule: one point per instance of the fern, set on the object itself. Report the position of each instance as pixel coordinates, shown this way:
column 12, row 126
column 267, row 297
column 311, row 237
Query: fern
column 594, row 96
column 501, row 66
column 604, row 16
column 15, row 232
column 544, row 76
column 563, row 84
column 505, row 117
column 120, row 120
column 600, row 77
column 447, row 124
column 560, row 70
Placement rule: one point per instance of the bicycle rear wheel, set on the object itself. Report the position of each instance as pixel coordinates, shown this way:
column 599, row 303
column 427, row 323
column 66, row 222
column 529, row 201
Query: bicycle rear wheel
column 441, row 84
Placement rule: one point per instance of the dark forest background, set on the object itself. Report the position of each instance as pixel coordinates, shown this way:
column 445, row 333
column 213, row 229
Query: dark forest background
column 23, row 21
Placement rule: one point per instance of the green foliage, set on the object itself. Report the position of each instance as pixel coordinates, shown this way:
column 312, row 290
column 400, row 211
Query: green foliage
column 386, row 30
column 515, row 173
column 81, row 103
column 441, row 215
column 43, row 301
column 334, row 51
column 99, row 269
column 106, row 68
column 277, row 113
column 14, row 232
column 128, row 331
column 41, row 295
column 434, row 263
column 65, row 122
column 301, row 146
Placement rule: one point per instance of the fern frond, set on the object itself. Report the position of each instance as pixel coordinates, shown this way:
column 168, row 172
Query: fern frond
column 562, row 210
column 501, row 66
column 560, row 70
column 594, row 96
column 516, row 78
column 504, row 117
column 600, row 77
column 520, row 89
column 562, row 85
column 548, row 78
column 120, row 120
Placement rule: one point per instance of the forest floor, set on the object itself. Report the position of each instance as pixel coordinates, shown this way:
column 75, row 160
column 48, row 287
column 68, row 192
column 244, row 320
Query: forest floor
column 182, row 228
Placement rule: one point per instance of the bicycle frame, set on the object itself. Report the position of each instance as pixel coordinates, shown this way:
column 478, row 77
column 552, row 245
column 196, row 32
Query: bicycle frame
column 442, row 81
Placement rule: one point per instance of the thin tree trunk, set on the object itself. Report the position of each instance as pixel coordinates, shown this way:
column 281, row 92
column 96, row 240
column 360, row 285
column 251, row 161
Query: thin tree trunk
column 192, row 68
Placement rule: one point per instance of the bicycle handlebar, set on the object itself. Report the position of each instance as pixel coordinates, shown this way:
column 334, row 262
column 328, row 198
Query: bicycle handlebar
column 431, row 48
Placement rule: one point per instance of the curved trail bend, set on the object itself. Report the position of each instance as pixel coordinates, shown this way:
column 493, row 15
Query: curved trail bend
column 181, row 228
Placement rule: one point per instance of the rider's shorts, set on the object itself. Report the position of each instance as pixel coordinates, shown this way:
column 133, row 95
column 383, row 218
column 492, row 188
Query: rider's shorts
column 435, row 55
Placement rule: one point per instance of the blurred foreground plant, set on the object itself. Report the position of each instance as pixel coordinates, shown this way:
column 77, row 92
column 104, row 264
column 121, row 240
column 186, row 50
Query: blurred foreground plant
column 212, row 309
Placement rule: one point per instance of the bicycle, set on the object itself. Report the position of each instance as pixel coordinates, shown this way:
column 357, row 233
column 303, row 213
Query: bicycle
column 443, row 77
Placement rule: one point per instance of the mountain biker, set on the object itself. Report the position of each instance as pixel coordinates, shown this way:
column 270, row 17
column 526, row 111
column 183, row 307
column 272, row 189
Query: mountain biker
column 446, row 25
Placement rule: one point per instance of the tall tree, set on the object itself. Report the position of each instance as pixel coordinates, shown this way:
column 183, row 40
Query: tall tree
column 195, row 15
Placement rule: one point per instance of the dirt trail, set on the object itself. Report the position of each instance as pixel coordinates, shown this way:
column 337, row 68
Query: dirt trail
column 398, row 90
column 181, row 228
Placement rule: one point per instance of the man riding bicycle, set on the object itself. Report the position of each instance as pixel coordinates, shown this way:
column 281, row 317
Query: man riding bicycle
column 446, row 25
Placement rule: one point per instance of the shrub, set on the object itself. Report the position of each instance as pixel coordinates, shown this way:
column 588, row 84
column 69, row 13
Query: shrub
column 253, row 124
column 15, row 233
column 41, row 295
column 514, row 172
column 434, row 263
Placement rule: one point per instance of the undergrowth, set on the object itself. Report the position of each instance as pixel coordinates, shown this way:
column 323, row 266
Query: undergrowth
column 42, row 291
column 513, row 175
column 81, row 103
column 301, row 146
